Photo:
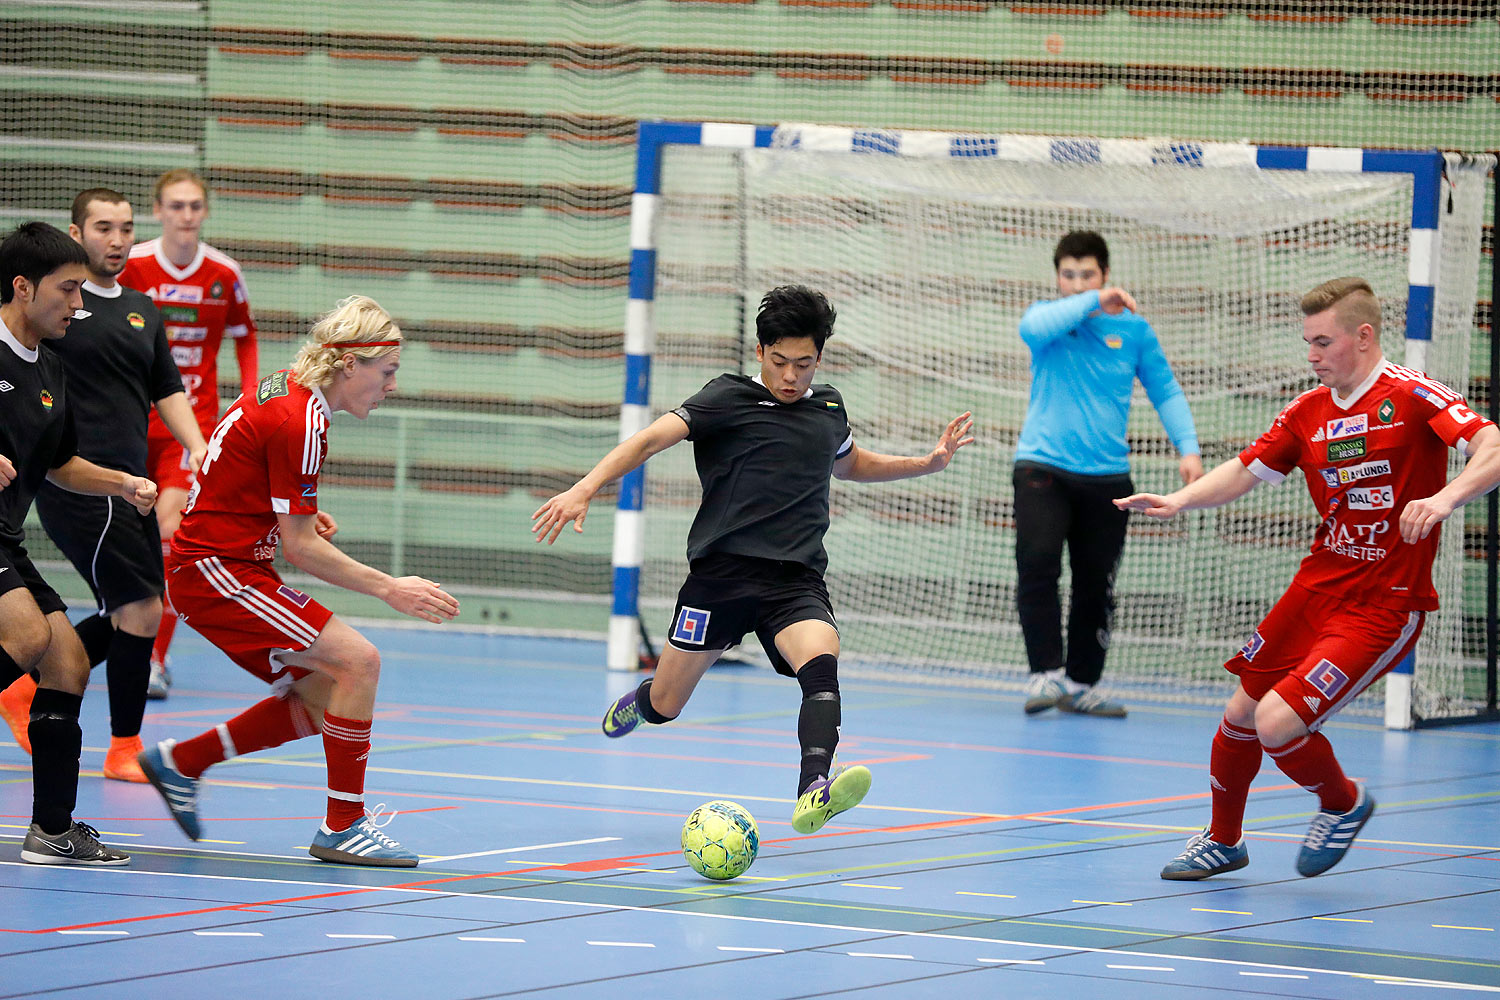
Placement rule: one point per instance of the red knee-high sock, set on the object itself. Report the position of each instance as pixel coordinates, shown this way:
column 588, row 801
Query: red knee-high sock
column 265, row 724
column 1310, row 763
column 346, row 744
column 1232, row 765
column 168, row 623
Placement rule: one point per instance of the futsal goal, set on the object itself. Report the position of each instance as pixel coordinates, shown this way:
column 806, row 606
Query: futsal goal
column 930, row 246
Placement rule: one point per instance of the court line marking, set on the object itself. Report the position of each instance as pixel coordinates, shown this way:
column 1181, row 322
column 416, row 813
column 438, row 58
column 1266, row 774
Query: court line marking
column 622, row 944
column 1346, row 920
column 753, row 951
column 996, row 895
column 1144, row 968
column 1459, row 927
column 517, row 850
column 228, row 934
column 872, row 885
column 876, row 954
column 361, row 937
column 820, row 925
column 1271, row 975
column 495, row 940
column 1100, row 902
column 1237, row 913
column 1008, row 961
column 97, row 933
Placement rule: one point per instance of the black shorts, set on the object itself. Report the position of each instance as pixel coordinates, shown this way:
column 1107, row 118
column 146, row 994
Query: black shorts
column 16, row 572
column 114, row 548
column 726, row 596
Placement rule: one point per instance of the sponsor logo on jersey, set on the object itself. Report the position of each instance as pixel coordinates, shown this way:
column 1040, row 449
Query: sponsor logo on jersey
column 1343, row 451
column 1114, row 341
column 297, row 597
column 187, row 334
column 187, row 357
column 1344, row 427
column 179, row 314
column 1430, row 396
column 179, row 293
column 5, row 386
column 216, row 290
column 765, row 402
column 1371, row 498
column 1327, row 678
column 1358, row 541
column 309, row 491
column 272, row 385
column 691, row 626
column 1249, row 649
column 1318, row 436
column 136, row 320
column 1353, row 473
column 46, row 400
column 1386, row 412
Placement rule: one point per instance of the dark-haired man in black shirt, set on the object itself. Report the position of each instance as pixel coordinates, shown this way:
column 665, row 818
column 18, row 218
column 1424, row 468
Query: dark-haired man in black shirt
column 764, row 447
column 41, row 274
column 119, row 362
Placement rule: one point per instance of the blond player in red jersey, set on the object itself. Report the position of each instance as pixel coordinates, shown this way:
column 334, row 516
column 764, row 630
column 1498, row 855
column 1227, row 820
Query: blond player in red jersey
column 200, row 293
column 257, row 489
column 1372, row 441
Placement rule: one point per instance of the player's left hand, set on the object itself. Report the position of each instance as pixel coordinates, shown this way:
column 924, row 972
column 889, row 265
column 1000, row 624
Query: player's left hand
column 7, row 472
column 955, row 436
column 1421, row 516
column 325, row 525
column 1190, row 468
column 195, row 457
column 140, row 492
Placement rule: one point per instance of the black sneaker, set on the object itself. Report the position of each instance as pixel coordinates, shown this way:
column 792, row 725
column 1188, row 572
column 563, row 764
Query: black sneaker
column 78, row 846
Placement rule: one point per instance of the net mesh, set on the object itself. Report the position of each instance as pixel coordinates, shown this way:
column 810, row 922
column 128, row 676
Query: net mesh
column 470, row 166
column 931, row 263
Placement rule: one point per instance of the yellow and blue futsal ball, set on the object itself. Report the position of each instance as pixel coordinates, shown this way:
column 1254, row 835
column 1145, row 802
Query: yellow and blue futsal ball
column 720, row 840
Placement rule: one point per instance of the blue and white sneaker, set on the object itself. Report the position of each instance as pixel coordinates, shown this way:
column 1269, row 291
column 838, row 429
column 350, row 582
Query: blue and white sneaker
column 623, row 716
column 1205, row 857
column 361, row 844
column 178, row 790
column 160, row 681
column 1331, row 835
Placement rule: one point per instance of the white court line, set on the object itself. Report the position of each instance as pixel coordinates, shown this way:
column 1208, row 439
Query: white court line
column 875, row 954
column 514, row 850
column 495, row 940
column 361, row 937
column 1271, row 975
column 622, row 944
column 774, row 922
column 98, row 933
column 753, row 951
column 228, row 934
column 1144, row 968
column 1009, row 961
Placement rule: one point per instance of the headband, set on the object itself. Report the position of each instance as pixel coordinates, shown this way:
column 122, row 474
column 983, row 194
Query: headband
column 365, row 343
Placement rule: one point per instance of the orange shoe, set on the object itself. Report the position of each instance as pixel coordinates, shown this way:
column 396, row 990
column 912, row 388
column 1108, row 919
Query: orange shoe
column 120, row 763
column 15, row 709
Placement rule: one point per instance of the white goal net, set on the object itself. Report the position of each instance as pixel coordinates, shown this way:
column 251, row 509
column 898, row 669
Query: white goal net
column 930, row 262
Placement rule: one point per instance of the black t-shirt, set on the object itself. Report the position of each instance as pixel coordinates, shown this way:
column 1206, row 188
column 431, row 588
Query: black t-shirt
column 119, row 363
column 764, row 466
column 36, row 427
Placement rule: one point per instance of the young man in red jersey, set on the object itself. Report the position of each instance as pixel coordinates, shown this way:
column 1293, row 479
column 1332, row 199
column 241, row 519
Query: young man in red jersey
column 201, row 295
column 1372, row 441
column 257, row 489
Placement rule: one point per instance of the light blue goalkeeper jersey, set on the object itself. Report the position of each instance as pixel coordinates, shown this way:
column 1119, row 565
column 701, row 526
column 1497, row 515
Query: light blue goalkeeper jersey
column 1084, row 365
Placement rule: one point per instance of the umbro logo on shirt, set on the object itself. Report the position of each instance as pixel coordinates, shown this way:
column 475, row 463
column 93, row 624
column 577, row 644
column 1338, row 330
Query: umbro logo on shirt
column 765, row 402
column 5, row 386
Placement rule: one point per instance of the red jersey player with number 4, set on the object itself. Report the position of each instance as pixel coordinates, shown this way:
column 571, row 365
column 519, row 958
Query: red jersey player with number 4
column 200, row 293
column 257, row 489
column 1372, row 441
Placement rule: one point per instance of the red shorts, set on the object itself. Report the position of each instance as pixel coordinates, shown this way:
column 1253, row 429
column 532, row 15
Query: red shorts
column 1317, row 651
column 167, row 464
column 244, row 609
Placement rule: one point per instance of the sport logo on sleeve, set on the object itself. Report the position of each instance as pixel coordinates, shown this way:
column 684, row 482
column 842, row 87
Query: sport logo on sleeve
column 1249, row 649
column 1327, row 678
column 691, row 626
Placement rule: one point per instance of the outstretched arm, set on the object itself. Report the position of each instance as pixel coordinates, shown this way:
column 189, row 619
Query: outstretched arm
column 1479, row 476
column 573, row 503
column 306, row 547
column 863, row 466
column 1227, row 482
column 79, row 475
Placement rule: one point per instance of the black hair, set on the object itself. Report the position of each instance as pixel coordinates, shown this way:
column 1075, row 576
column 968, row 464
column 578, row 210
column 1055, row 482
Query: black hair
column 794, row 311
column 33, row 251
column 86, row 198
column 1081, row 243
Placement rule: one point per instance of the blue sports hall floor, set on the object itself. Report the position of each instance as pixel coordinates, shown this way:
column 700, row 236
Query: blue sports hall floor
column 995, row 856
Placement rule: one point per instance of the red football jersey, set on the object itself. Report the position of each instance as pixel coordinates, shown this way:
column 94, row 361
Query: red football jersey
column 200, row 305
column 263, row 460
column 1365, row 459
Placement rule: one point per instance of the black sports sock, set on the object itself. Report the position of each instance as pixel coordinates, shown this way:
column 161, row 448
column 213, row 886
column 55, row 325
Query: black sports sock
column 56, row 743
column 129, row 671
column 647, row 710
column 10, row 670
column 818, row 722
column 96, row 632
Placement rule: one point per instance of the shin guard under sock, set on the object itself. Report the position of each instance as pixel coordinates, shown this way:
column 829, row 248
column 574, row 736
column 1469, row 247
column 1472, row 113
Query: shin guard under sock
column 96, row 633
column 56, row 744
column 1233, row 763
column 818, row 721
column 1310, row 762
column 129, row 670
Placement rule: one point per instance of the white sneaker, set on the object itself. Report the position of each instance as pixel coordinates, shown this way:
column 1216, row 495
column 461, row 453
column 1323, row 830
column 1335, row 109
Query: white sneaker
column 160, row 682
column 1043, row 691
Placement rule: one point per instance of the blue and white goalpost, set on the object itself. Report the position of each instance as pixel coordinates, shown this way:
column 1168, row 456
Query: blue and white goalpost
column 1426, row 170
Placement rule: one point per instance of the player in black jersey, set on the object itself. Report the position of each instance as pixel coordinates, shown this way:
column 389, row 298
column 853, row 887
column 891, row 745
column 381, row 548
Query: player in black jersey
column 119, row 362
column 41, row 274
column 764, row 447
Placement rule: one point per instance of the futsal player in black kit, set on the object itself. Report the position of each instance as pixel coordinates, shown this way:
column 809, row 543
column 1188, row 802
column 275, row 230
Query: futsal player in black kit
column 41, row 274
column 764, row 447
column 119, row 363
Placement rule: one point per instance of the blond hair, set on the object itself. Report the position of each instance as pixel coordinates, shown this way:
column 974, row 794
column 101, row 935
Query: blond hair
column 357, row 319
column 177, row 176
column 1352, row 300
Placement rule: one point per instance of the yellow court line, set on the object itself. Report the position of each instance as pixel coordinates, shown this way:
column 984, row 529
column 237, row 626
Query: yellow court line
column 1238, row 913
column 1458, row 927
column 1100, row 902
column 1346, row 920
column 869, row 885
column 996, row 895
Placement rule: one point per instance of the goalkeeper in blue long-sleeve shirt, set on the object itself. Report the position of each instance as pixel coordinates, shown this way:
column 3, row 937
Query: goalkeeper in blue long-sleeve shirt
column 1087, row 349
